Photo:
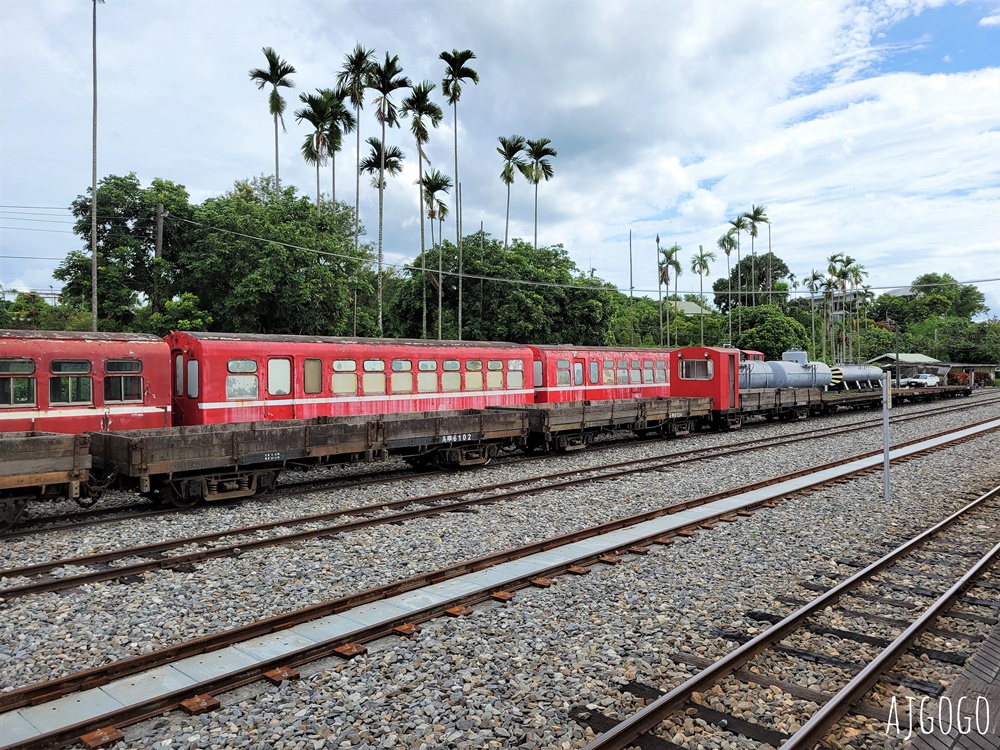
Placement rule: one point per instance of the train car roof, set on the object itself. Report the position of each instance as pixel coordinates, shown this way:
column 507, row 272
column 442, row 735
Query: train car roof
column 77, row 335
column 574, row 348
column 342, row 340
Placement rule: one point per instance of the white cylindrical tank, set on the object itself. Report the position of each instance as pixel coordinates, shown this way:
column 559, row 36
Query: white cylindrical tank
column 795, row 375
column 795, row 355
column 859, row 374
column 754, row 374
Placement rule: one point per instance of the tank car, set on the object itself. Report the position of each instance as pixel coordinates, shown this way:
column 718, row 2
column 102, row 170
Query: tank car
column 856, row 377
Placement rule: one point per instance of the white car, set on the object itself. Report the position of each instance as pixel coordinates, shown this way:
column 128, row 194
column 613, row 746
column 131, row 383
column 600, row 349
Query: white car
column 924, row 380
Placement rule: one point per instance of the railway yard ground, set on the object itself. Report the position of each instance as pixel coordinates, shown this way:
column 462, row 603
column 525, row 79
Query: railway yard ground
column 545, row 668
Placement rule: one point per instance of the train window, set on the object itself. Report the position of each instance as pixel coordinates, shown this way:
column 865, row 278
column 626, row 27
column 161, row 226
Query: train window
column 474, row 379
column 609, row 364
column 373, row 382
column 609, row 372
column 17, row 366
column 451, row 365
column 578, row 373
column 344, row 365
column 17, row 391
column 696, row 369
column 515, row 378
column 515, row 365
column 70, row 366
column 661, row 372
column 647, row 364
column 427, row 382
column 538, row 374
column 192, row 378
column 312, row 376
column 241, row 387
column 70, row 390
column 401, row 382
column 562, row 372
column 401, row 365
column 178, row 375
column 595, row 373
column 473, row 364
column 242, row 365
column 123, row 365
column 427, row 365
column 622, row 372
column 122, row 388
column 635, row 374
column 344, row 382
column 647, row 373
column 494, row 374
column 451, row 381
column 279, row 377
column 374, row 365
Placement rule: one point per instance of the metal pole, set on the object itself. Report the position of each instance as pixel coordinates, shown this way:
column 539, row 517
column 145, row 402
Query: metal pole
column 458, row 197
column 157, row 254
column 631, row 287
column 93, row 196
column 886, row 405
column 899, row 382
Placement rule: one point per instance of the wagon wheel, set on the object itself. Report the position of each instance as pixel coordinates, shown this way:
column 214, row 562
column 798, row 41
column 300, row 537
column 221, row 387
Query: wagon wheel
column 167, row 495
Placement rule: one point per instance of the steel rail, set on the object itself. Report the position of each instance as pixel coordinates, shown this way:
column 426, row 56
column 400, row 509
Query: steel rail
column 630, row 730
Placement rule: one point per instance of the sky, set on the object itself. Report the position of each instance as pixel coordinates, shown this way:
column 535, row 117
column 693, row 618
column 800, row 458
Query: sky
column 870, row 128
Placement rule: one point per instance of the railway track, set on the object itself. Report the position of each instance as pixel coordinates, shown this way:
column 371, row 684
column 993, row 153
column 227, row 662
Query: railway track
column 98, row 516
column 126, row 564
column 922, row 597
column 410, row 601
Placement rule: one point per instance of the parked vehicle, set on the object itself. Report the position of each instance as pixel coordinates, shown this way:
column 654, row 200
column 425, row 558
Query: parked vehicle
column 924, row 380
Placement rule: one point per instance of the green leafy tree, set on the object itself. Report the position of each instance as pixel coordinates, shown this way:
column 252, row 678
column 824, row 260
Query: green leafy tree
column 385, row 79
column 277, row 75
column 435, row 185
column 770, row 331
column 295, row 279
column 754, row 281
column 422, row 111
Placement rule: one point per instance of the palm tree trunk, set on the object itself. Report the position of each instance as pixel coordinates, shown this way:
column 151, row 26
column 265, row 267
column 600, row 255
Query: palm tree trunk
column 333, row 179
column 440, row 278
column 739, row 284
column 357, row 178
column 812, row 317
column 423, row 264
column 458, row 220
column 659, row 296
column 536, row 216
column 729, row 283
column 506, row 225
column 769, row 256
column 277, row 181
column 676, row 321
column 668, row 311
column 753, row 273
column 93, row 195
column 317, row 185
column 701, row 313
column 381, row 187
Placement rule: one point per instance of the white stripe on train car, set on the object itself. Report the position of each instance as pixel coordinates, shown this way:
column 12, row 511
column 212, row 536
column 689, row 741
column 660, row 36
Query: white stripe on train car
column 82, row 411
column 358, row 399
column 608, row 387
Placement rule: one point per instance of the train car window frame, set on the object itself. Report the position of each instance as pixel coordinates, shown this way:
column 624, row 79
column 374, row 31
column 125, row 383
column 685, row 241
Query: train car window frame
column 402, row 365
column 120, row 387
column 312, row 376
column 622, row 378
column 178, row 374
column 345, row 365
column 578, row 373
column 473, row 365
column 17, row 366
column 696, row 369
column 401, row 382
column 242, row 387
column 494, row 364
column 647, row 374
column 595, row 372
column 373, row 383
column 427, row 380
column 70, row 367
column 562, row 372
column 71, row 389
column 451, row 380
column 374, row 365
column 539, row 374
column 344, row 383
column 451, row 365
column 279, row 376
column 494, row 375
column 661, row 371
column 427, row 365
column 241, row 366
column 18, row 387
column 474, row 379
column 193, row 373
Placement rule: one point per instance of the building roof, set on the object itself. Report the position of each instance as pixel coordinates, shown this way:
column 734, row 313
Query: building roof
column 906, row 359
column 690, row 308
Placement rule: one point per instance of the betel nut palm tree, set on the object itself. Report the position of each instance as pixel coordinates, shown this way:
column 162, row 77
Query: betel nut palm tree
column 317, row 112
column 353, row 78
column 670, row 261
column 510, row 149
column 754, row 218
column 385, row 79
column 536, row 168
column 276, row 75
column 341, row 121
column 727, row 243
column 422, row 110
column 812, row 283
column 699, row 265
column 456, row 71
column 434, row 184
column 739, row 225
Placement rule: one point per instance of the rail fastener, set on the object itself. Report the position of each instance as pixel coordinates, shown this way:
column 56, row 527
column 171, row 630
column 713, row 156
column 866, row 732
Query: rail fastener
column 200, row 704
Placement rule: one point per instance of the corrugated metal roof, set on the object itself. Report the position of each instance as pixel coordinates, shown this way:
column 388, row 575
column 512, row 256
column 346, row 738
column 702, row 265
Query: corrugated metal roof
column 342, row 341
column 907, row 358
column 17, row 333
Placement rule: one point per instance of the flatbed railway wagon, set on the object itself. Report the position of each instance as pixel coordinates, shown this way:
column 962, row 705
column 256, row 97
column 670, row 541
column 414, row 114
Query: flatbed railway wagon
column 185, row 465
column 39, row 466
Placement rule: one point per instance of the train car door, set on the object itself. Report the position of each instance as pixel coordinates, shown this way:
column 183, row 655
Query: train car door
column 280, row 400
column 733, row 374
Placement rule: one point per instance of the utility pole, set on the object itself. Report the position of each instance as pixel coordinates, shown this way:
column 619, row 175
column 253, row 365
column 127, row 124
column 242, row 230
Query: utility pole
column 631, row 287
column 93, row 196
column 458, row 221
column 157, row 254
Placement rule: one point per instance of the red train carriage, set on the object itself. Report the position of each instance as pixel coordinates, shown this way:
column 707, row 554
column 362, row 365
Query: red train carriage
column 711, row 371
column 567, row 374
column 224, row 378
column 73, row 382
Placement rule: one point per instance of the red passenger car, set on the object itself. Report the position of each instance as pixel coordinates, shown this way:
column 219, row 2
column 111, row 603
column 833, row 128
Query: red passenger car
column 61, row 381
column 566, row 373
column 711, row 371
column 221, row 377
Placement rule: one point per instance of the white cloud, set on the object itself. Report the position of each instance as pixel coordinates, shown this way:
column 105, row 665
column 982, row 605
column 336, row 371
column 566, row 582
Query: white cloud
column 990, row 20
